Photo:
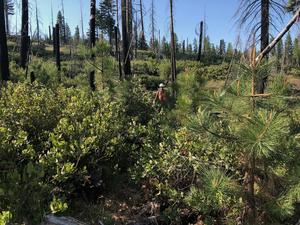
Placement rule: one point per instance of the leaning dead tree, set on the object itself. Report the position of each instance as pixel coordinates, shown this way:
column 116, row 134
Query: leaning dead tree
column 269, row 47
column 4, row 66
column 259, row 16
column 126, row 36
column 24, row 35
column 173, row 48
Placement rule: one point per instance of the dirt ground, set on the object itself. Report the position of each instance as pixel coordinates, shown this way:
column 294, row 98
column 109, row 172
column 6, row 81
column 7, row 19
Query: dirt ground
column 294, row 82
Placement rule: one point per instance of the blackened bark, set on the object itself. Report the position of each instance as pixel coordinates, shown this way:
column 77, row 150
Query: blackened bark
column 32, row 77
column 24, row 34
column 264, row 40
column 57, row 47
column 125, row 35
column 200, row 42
column 118, row 55
column 4, row 66
column 265, row 24
column 92, row 41
column 143, row 39
column 173, row 48
column 6, row 20
column 136, row 35
column 130, row 26
column 54, row 40
column 93, row 24
column 50, row 35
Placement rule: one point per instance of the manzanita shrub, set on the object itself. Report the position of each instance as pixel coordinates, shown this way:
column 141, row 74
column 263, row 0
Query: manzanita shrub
column 64, row 142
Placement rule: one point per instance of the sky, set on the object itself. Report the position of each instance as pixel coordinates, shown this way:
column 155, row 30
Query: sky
column 218, row 15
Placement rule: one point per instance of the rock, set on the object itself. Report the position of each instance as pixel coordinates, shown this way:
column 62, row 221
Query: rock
column 54, row 220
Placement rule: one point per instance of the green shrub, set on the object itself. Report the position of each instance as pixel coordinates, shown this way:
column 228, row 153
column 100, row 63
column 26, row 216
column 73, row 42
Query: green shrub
column 145, row 68
column 217, row 72
column 45, row 72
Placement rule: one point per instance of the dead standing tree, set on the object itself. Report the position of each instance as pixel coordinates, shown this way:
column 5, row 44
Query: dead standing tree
column 92, row 41
column 57, row 47
column 200, row 42
column 152, row 26
column 4, row 66
column 142, row 38
column 8, row 10
column 260, row 15
column 117, row 40
column 24, row 35
column 173, row 48
column 126, row 36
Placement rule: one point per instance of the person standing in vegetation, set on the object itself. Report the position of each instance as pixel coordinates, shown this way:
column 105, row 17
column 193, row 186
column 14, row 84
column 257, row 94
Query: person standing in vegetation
column 160, row 95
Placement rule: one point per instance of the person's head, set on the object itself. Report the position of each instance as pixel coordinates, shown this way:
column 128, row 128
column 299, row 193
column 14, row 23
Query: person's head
column 161, row 85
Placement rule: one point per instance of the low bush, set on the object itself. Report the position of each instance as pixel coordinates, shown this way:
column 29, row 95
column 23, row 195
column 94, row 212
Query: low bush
column 59, row 143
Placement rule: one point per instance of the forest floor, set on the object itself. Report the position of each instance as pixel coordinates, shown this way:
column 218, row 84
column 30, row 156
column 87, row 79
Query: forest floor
column 294, row 81
column 126, row 206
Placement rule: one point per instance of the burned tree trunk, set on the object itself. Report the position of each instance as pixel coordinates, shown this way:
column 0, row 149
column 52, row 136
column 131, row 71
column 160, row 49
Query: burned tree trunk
column 57, row 47
column 152, row 41
column 4, row 66
column 50, row 35
column 6, row 16
column 54, row 40
column 92, row 41
column 143, row 39
column 173, row 48
column 64, row 23
column 265, row 24
column 126, row 38
column 200, row 42
column 118, row 55
column 37, row 23
column 136, row 35
column 264, row 40
column 278, row 37
column 24, row 34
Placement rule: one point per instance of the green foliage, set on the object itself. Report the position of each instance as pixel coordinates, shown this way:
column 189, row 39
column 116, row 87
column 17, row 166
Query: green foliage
column 217, row 192
column 150, row 67
column 5, row 216
column 260, row 135
column 45, row 73
column 105, row 17
column 59, row 142
column 57, row 205
column 188, row 84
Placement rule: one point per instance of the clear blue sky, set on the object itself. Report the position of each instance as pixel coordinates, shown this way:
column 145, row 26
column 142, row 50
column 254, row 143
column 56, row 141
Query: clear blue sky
column 218, row 14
